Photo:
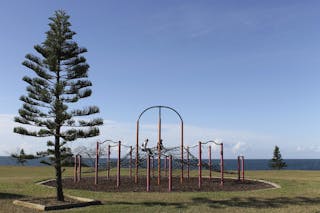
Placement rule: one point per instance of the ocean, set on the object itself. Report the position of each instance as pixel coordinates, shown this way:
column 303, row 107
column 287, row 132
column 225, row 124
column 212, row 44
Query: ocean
column 230, row 164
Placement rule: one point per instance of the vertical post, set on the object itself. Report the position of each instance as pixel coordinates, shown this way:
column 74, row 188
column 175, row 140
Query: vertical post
column 96, row 167
column 137, row 154
column 152, row 164
column 79, row 168
column 200, row 167
column 159, row 147
column 75, row 169
column 210, row 169
column 148, row 173
column 130, row 163
column 108, row 158
column 118, row 164
column 181, row 178
column 170, row 174
column 242, row 162
column 188, row 163
column 222, row 165
column 238, row 168
column 165, row 166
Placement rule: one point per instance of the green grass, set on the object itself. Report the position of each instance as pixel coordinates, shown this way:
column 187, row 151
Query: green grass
column 300, row 192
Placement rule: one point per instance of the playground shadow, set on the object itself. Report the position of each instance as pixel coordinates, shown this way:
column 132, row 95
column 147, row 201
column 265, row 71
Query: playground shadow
column 249, row 202
column 10, row 196
column 252, row 202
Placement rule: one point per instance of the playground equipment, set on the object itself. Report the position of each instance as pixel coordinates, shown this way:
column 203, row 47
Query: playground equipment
column 241, row 167
column 159, row 144
column 161, row 158
column 77, row 168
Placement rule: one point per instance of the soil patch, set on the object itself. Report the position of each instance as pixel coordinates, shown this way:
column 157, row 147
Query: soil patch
column 127, row 185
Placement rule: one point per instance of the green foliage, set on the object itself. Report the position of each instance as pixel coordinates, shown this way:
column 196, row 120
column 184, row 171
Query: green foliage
column 59, row 81
column 22, row 157
column 277, row 162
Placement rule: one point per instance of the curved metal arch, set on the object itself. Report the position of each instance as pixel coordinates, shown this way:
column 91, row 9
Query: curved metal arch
column 159, row 106
column 211, row 141
column 137, row 139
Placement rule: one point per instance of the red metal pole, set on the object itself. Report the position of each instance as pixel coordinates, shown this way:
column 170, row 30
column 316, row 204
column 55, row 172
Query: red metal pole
column 242, row 162
column 130, row 163
column 165, row 166
column 118, row 164
column 222, row 165
column 152, row 165
column 188, row 163
column 75, row 169
column 210, row 170
column 238, row 168
column 108, row 158
column 79, row 168
column 159, row 148
column 200, row 167
column 96, row 164
column 137, row 154
column 170, row 174
column 181, row 179
column 148, row 173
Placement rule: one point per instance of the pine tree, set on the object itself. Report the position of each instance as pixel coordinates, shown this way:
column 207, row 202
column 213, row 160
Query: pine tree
column 60, row 81
column 277, row 162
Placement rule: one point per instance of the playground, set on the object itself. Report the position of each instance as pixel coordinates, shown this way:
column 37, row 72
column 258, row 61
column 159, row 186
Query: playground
column 160, row 168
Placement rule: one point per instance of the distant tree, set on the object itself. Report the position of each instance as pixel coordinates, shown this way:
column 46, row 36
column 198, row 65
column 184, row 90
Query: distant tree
column 60, row 81
column 277, row 162
column 22, row 157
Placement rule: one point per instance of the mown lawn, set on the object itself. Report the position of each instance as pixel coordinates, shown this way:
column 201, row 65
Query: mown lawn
column 300, row 192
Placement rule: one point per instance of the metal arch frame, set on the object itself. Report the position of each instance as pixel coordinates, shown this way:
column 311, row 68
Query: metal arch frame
column 221, row 158
column 159, row 139
column 97, row 157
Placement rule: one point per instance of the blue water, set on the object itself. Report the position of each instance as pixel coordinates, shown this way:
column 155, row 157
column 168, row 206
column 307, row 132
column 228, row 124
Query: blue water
column 230, row 164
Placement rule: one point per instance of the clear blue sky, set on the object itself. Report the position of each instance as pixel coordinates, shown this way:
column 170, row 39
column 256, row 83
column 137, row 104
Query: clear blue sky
column 251, row 68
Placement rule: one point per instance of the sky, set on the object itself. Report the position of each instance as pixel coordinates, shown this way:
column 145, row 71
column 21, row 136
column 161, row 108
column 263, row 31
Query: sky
column 242, row 72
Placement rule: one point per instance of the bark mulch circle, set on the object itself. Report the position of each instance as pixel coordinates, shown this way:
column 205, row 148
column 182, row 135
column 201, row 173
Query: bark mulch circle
column 191, row 185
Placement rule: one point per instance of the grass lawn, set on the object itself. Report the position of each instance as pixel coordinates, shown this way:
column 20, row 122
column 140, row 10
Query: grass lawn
column 300, row 192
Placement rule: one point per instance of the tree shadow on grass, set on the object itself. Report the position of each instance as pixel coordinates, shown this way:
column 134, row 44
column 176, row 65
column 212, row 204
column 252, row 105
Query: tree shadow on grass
column 10, row 196
column 252, row 202
column 150, row 204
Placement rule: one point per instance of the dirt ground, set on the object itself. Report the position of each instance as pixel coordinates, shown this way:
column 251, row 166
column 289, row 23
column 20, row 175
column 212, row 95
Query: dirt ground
column 128, row 185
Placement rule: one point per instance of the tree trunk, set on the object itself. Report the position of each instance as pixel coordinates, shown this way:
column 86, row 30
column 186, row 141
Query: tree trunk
column 57, row 154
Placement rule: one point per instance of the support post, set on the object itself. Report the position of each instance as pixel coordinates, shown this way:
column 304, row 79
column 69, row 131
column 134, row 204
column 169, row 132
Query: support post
column 242, row 163
column 118, row 164
column 200, row 167
column 148, row 173
column 239, row 168
column 130, row 163
column 152, row 165
column 210, row 165
column 165, row 166
column 222, row 165
column 137, row 154
column 159, row 147
column 170, row 174
column 79, row 168
column 96, row 166
column 181, row 178
column 188, row 163
column 108, row 163
column 75, row 169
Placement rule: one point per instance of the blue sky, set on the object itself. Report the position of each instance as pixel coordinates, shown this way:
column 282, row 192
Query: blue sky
column 244, row 72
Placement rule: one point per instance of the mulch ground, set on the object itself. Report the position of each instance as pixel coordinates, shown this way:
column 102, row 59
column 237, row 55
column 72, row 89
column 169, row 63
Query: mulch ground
column 191, row 185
